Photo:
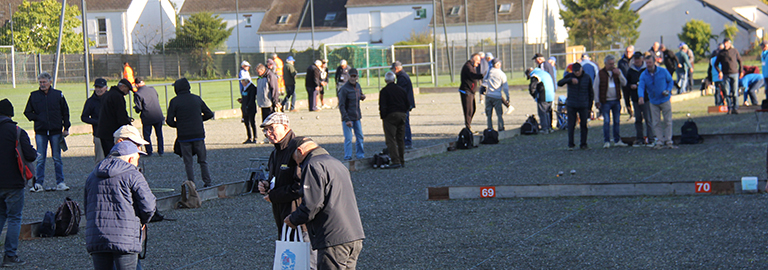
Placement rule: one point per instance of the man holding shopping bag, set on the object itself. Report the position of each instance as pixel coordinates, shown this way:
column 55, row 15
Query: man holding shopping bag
column 328, row 207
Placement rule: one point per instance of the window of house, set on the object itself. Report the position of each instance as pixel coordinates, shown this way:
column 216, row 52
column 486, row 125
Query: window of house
column 454, row 11
column 330, row 16
column 283, row 19
column 420, row 13
column 247, row 20
column 101, row 39
column 505, row 8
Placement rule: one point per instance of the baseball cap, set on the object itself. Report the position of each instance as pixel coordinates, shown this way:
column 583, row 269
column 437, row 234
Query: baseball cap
column 130, row 132
column 245, row 63
column 290, row 59
column 125, row 82
column 681, row 44
column 276, row 118
column 100, row 82
column 553, row 58
column 396, row 64
column 494, row 61
column 537, row 55
column 125, row 148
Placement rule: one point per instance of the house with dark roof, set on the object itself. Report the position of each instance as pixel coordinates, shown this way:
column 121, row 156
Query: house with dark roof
column 244, row 15
column 662, row 20
column 122, row 26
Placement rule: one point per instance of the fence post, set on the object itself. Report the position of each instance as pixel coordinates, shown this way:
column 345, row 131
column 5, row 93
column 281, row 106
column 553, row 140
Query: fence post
column 417, row 75
column 166, row 97
column 232, row 95
column 200, row 89
column 432, row 66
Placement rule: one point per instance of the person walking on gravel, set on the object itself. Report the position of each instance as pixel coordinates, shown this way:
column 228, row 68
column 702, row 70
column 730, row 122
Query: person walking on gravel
column 186, row 113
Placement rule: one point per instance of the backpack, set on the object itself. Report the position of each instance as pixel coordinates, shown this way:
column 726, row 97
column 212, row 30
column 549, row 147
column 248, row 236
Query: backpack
column 189, row 196
column 530, row 127
column 465, row 141
column 46, row 229
column 490, row 136
column 381, row 159
column 25, row 167
column 67, row 218
column 689, row 133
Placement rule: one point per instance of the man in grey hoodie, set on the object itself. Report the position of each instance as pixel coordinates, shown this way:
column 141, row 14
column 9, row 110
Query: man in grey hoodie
column 495, row 83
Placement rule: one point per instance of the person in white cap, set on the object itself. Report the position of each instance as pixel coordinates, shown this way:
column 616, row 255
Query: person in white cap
column 245, row 68
column 129, row 133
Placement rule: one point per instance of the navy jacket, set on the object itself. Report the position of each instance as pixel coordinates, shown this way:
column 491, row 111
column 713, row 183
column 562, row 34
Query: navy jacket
column 91, row 110
column 328, row 206
column 186, row 113
column 404, row 81
column 113, row 114
column 117, row 201
column 248, row 105
column 349, row 102
column 579, row 95
column 147, row 103
column 49, row 112
column 9, row 168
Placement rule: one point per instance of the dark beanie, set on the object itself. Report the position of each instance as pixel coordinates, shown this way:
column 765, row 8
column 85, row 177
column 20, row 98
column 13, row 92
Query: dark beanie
column 181, row 84
column 6, row 108
column 125, row 82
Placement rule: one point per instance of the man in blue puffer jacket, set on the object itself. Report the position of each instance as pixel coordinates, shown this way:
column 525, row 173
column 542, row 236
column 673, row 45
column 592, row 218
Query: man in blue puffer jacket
column 117, row 202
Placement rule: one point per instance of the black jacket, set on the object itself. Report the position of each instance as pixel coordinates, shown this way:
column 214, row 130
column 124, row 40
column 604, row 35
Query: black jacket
column 404, row 81
column 91, row 111
column 186, row 113
column 285, row 195
column 580, row 95
column 633, row 77
column 49, row 112
column 349, row 102
column 392, row 98
column 623, row 64
column 9, row 167
column 342, row 74
column 469, row 78
column 147, row 103
column 113, row 114
column 248, row 105
column 328, row 206
column 313, row 77
column 729, row 60
column 670, row 60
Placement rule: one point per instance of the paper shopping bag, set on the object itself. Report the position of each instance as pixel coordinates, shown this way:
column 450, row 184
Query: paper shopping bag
column 291, row 255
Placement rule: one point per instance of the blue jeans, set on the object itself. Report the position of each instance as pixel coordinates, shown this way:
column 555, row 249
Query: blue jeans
column 611, row 107
column 357, row 128
column 408, row 138
column 42, row 148
column 117, row 261
column 731, row 90
column 682, row 80
column 11, row 204
column 290, row 93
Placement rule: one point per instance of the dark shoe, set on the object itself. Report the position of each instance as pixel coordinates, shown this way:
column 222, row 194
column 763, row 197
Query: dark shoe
column 409, row 147
column 393, row 166
column 585, row 147
column 207, row 185
column 735, row 111
column 149, row 154
column 247, row 141
column 13, row 261
column 160, row 154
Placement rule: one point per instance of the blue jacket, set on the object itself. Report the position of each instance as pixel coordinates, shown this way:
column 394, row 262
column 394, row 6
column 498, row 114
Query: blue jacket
column 764, row 60
column 713, row 71
column 546, row 79
column 750, row 79
column 147, row 102
column 654, row 84
column 117, row 201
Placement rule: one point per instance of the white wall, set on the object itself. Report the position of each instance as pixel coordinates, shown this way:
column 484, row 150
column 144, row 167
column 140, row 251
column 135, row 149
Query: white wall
column 665, row 18
column 397, row 22
column 282, row 41
column 115, row 38
column 147, row 29
column 249, row 38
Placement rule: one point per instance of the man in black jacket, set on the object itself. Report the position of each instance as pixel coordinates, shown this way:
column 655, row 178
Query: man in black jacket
column 579, row 102
column 642, row 111
column 90, row 114
column 623, row 64
column 12, row 184
column 342, row 74
column 328, row 207
column 48, row 108
column 670, row 60
column 314, row 84
column 113, row 114
column 186, row 113
column 248, row 108
column 728, row 65
column 404, row 81
column 469, row 79
column 146, row 102
column 393, row 109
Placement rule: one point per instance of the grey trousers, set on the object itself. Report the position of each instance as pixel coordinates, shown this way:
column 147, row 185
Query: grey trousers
column 643, row 114
column 662, row 128
column 189, row 149
column 343, row 256
column 494, row 104
column 545, row 115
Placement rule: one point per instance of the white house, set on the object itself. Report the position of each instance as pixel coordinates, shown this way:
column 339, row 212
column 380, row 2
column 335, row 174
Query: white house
column 662, row 20
column 129, row 26
column 244, row 16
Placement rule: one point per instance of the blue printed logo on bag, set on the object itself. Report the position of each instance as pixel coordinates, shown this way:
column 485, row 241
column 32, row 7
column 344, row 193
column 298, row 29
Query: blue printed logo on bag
column 289, row 260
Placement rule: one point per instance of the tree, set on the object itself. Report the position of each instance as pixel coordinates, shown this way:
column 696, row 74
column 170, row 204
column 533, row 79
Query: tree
column 36, row 28
column 697, row 34
column 598, row 24
column 730, row 31
column 200, row 34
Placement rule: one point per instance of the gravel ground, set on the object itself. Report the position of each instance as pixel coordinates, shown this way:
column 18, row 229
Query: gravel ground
column 405, row 231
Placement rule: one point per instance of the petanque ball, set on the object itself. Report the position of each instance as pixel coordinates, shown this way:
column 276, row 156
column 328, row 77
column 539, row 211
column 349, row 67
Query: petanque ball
column 317, row 117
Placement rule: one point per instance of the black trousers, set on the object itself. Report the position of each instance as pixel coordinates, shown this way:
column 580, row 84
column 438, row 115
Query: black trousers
column 249, row 118
column 147, row 129
column 312, row 98
column 468, row 105
column 394, row 136
column 106, row 145
column 583, row 118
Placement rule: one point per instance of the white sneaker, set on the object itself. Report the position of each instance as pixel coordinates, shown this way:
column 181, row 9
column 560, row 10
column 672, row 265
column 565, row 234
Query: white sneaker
column 607, row 145
column 62, row 187
column 510, row 109
column 620, row 144
column 37, row 188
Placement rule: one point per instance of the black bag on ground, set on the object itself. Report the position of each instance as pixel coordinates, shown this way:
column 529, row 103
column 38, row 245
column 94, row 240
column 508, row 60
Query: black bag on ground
column 47, row 228
column 530, row 127
column 68, row 218
column 466, row 140
column 689, row 133
column 380, row 160
column 490, row 136
column 764, row 105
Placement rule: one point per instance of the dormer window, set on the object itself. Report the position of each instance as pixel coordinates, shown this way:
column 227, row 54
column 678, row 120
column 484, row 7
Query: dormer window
column 454, row 11
column 505, row 8
column 283, row 19
column 330, row 16
column 247, row 20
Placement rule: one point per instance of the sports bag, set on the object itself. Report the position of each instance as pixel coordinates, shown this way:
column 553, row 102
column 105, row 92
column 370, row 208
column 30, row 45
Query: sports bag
column 68, row 218
column 530, row 127
column 689, row 133
column 490, row 136
column 466, row 140
column 47, row 228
